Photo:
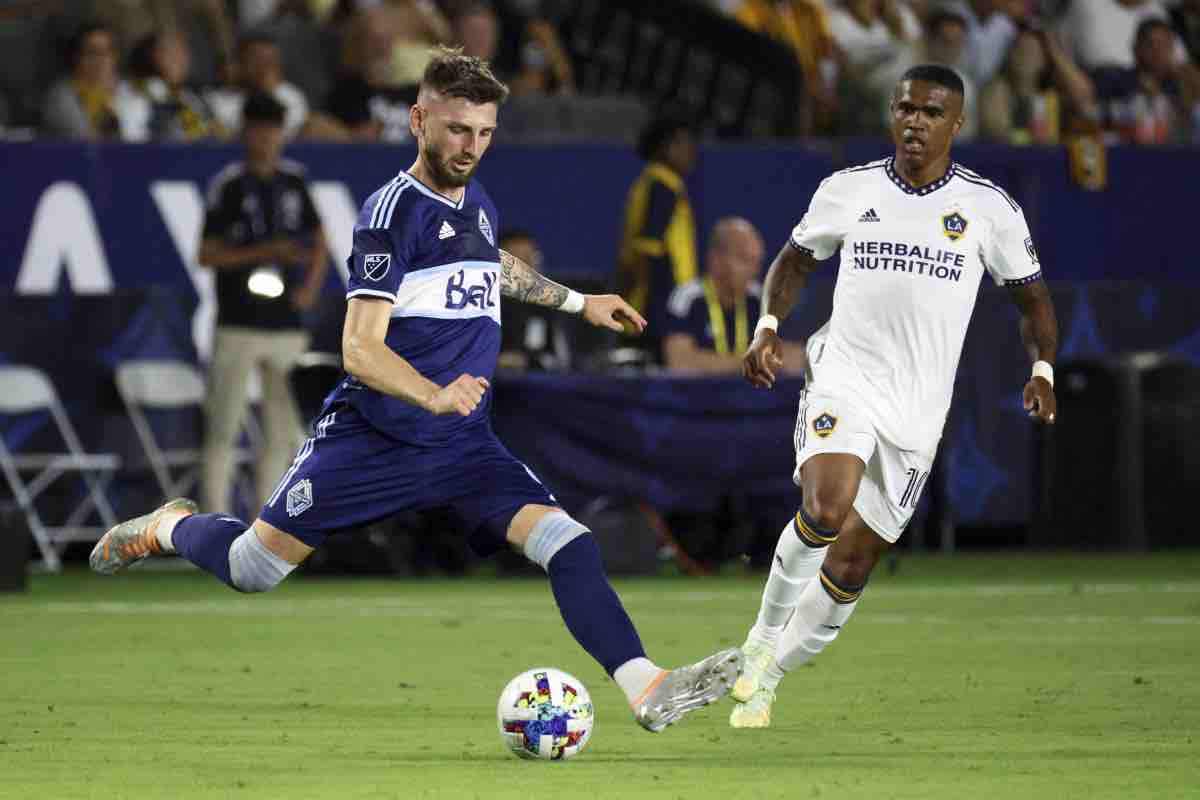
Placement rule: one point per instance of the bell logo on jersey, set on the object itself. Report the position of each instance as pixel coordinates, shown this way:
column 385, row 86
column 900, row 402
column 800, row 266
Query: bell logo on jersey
column 299, row 498
column 954, row 225
column 824, row 424
column 485, row 227
column 376, row 265
column 459, row 296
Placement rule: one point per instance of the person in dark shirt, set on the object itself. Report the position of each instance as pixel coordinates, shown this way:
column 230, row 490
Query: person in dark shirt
column 658, row 244
column 1154, row 102
column 709, row 321
column 263, row 239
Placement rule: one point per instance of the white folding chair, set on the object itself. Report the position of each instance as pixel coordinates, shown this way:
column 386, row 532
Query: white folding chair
column 25, row 390
column 167, row 385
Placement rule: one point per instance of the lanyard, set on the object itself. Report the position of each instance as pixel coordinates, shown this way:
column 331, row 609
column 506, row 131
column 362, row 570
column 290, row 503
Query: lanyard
column 716, row 318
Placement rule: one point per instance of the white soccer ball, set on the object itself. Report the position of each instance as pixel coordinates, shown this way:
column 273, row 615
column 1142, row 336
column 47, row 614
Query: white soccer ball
column 545, row 713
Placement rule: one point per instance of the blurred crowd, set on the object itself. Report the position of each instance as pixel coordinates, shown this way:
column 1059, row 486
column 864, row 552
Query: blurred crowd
column 346, row 70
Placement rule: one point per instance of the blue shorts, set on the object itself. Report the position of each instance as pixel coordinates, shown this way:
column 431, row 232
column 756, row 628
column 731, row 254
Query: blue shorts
column 349, row 474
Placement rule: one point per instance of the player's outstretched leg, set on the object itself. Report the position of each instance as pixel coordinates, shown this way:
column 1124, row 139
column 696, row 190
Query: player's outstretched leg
column 594, row 615
column 221, row 545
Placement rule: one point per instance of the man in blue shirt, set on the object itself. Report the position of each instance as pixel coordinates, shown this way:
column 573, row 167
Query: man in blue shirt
column 408, row 428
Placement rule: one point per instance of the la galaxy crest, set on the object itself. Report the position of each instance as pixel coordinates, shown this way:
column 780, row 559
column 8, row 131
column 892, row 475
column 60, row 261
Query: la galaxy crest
column 824, row 424
column 954, row 225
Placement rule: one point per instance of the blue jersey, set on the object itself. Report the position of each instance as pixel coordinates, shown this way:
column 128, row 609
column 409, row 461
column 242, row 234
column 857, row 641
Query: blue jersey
column 437, row 262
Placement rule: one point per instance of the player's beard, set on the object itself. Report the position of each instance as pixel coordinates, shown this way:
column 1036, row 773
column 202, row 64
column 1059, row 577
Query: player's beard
column 443, row 175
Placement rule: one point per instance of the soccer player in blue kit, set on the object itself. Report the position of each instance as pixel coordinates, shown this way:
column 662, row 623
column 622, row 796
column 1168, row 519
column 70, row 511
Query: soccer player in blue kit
column 408, row 428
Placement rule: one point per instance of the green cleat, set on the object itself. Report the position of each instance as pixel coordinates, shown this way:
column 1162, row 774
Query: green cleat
column 681, row 691
column 758, row 657
column 135, row 539
column 755, row 712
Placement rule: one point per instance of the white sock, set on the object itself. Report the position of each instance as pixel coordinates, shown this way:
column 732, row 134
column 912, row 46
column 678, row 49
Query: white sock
column 636, row 676
column 164, row 530
column 817, row 622
column 795, row 564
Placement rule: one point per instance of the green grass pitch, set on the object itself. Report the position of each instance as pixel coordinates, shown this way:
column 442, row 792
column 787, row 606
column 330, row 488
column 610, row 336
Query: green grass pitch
column 968, row 677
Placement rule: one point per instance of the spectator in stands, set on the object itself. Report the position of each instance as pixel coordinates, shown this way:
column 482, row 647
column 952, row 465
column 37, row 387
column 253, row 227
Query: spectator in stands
column 543, row 66
column 94, row 102
column 803, row 25
column 476, row 29
column 1185, row 19
column 1031, row 99
column 871, row 36
column 991, row 28
column 364, row 99
column 710, row 321
column 259, row 68
column 658, row 245
column 1157, row 100
column 534, row 337
column 263, row 239
column 1100, row 33
column 159, row 67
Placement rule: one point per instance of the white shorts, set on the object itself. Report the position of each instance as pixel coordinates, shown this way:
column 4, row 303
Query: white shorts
column 894, row 478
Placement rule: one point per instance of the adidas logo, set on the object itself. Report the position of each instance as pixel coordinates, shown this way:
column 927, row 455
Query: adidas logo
column 446, row 231
column 869, row 216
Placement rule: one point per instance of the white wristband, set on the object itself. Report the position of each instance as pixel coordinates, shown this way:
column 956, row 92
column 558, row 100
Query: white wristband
column 1043, row 369
column 573, row 304
column 767, row 322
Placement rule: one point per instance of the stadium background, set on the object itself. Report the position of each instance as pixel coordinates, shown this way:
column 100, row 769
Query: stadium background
column 97, row 266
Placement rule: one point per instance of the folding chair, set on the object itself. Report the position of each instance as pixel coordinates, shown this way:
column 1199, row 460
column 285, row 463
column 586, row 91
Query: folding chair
column 167, row 385
column 25, row 390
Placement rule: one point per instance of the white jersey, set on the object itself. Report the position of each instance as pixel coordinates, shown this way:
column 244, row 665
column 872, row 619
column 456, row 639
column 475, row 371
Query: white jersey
column 912, row 259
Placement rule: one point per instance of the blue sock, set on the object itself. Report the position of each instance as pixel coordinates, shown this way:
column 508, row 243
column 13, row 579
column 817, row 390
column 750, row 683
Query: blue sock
column 204, row 540
column 590, row 607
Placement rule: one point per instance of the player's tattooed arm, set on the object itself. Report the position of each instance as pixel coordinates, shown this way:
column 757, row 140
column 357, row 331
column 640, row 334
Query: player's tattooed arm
column 786, row 278
column 1039, row 332
column 522, row 282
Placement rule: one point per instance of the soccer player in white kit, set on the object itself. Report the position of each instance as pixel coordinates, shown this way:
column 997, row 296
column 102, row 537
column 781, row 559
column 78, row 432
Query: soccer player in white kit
column 917, row 232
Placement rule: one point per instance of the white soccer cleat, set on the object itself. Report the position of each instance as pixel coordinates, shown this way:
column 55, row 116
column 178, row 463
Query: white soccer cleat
column 135, row 539
column 758, row 657
column 755, row 712
column 681, row 691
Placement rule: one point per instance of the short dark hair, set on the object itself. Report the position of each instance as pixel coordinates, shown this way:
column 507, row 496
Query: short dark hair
column 661, row 130
column 935, row 74
column 453, row 74
column 1146, row 26
column 261, row 108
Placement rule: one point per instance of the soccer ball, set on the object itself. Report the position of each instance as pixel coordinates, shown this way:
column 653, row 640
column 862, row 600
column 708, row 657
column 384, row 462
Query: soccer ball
column 545, row 713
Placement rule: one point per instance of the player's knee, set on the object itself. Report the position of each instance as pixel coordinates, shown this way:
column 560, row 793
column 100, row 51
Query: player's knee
column 848, row 571
column 827, row 509
column 554, row 531
column 254, row 568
